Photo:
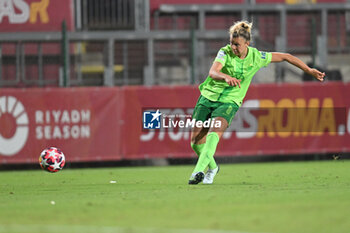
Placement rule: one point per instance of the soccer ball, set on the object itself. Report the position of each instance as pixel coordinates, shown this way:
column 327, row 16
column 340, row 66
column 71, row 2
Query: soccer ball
column 52, row 159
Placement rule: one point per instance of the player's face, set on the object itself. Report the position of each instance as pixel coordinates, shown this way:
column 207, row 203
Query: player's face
column 239, row 45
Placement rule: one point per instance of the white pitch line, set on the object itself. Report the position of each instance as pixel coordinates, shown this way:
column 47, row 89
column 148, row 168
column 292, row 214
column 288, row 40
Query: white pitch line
column 100, row 229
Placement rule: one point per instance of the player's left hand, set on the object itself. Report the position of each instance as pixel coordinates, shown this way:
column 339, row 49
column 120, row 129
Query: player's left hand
column 317, row 74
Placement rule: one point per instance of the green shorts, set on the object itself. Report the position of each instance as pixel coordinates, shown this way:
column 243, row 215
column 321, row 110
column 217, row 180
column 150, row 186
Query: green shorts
column 206, row 109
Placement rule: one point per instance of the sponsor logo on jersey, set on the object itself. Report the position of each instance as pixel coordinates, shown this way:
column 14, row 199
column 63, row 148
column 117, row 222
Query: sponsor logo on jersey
column 221, row 55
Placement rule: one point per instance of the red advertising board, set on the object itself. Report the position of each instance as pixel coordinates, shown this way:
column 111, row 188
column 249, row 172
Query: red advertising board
column 321, row 126
column 93, row 124
column 140, row 143
column 82, row 122
column 35, row 15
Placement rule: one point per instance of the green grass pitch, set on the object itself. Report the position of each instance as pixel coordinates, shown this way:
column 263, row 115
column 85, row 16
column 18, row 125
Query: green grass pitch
column 252, row 197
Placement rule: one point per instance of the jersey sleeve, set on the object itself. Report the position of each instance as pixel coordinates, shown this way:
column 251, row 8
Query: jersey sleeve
column 221, row 57
column 265, row 58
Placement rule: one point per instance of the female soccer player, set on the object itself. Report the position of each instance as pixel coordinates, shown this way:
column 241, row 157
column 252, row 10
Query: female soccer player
column 223, row 91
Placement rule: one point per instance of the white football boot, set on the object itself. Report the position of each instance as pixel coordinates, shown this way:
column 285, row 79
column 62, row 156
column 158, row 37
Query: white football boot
column 209, row 176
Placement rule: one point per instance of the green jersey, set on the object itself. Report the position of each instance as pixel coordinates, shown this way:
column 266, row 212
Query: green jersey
column 242, row 69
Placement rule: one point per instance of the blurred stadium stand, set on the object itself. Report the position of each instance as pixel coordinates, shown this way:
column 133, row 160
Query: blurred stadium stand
column 156, row 42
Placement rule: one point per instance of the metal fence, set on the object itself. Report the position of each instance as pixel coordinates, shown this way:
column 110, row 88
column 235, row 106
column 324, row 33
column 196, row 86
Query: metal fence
column 105, row 14
column 175, row 45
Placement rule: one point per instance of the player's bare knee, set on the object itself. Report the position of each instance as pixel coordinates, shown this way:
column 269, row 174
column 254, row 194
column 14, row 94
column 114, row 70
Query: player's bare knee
column 195, row 135
column 223, row 125
column 198, row 136
column 194, row 139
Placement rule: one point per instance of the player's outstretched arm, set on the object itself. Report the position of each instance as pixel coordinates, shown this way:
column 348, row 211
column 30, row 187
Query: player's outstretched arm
column 279, row 57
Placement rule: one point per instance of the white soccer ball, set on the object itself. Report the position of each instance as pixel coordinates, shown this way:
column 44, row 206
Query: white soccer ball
column 52, row 159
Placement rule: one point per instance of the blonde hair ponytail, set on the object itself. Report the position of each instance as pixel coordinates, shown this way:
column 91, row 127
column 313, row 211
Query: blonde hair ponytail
column 241, row 29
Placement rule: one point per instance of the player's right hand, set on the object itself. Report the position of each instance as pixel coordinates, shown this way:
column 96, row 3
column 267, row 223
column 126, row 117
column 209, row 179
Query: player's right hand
column 317, row 74
column 233, row 81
